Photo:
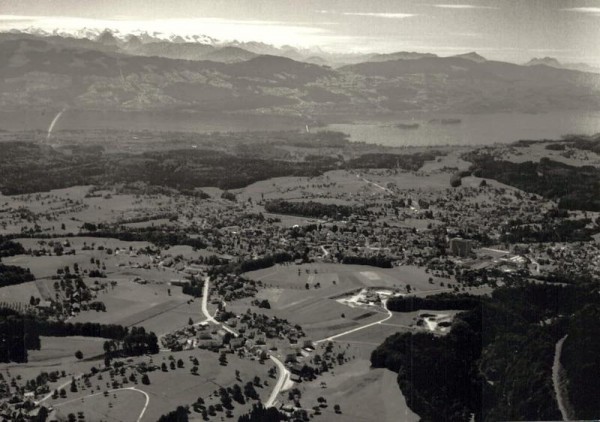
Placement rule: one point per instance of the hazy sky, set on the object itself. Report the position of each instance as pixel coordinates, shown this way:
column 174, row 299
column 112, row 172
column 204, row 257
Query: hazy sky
column 513, row 30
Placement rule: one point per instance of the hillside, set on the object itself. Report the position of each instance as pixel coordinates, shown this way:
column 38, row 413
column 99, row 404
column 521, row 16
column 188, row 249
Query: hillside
column 57, row 72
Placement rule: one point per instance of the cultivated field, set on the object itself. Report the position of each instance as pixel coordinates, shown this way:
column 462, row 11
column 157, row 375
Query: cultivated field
column 363, row 393
column 148, row 305
column 317, row 309
column 167, row 389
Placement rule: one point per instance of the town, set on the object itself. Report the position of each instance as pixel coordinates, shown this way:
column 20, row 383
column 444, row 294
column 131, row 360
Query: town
column 266, row 301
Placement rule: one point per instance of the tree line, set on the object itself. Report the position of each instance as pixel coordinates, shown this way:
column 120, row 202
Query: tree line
column 312, row 209
column 10, row 248
column 576, row 188
column 11, row 275
column 21, row 332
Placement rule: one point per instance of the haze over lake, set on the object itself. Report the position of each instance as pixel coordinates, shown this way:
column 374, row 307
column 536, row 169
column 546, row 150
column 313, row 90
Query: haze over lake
column 473, row 129
column 409, row 130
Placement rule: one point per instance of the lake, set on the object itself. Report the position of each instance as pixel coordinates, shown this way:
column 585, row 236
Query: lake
column 473, row 129
column 429, row 129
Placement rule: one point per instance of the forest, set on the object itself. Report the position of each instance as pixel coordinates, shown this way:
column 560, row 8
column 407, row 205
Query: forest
column 439, row 302
column 496, row 361
column 557, row 230
column 576, row 188
column 159, row 236
column 374, row 260
column 252, row 264
column 581, row 359
column 184, row 169
column 11, row 275
column 10, row 248
column 312, row 209
column 412, row 162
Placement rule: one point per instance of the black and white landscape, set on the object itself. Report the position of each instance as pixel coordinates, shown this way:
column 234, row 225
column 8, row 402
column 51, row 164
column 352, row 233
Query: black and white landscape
column 299, row 210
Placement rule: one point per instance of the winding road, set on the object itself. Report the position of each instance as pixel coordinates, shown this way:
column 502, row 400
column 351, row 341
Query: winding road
column 556, row 369
column 284, row 374
column 63, row 385
column 209, row 317
column 353, row 330
column 139, row 418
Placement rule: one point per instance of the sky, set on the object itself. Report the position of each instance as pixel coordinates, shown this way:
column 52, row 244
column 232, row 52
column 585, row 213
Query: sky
column 510, row 30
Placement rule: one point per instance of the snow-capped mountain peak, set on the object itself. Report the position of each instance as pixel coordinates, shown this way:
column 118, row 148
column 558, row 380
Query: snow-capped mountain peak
column 103, row 33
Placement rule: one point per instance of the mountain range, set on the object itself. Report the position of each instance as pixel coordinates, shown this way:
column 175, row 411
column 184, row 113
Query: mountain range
column 552, row 62
column 141, row 72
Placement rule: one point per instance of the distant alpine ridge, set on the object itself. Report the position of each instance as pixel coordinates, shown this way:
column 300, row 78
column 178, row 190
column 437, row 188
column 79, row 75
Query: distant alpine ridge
column 108, row 70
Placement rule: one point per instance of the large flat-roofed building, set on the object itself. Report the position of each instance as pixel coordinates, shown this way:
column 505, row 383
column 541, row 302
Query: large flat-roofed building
column 460, row 247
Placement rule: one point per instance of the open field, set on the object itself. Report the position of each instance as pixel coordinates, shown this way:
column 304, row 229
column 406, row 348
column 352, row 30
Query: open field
column 168, row 389
column 363, row 394
column 317, row 310
column 536, row 151
column 120, row 405
column 104, row 250
column 65, row 210
column 347, row 277
column 333, row 187
column 20, row 293
column 57, row 353
column 148, row 305
column 63, row 349
column 372, row 336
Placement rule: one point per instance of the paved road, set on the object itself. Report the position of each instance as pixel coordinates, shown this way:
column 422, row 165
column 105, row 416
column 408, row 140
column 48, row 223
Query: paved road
column 495, row 250
column 284, row 375
column 374, row 184
column 556, row 367
column 209, row 317
column 63, row 385
column 389, row 315
column 537, row 266
column 112, row 391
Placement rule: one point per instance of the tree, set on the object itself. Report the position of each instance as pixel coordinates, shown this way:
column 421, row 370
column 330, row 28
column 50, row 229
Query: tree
column 261, row 414
column 145, row 379
column 180, row 363
column 337, row 408
column 223, row 359
column 225, row 398
column 42, row 415
column 73, row 387
column 237, row 394
column 178, row 415
column 79, row 354
column 250, row 391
